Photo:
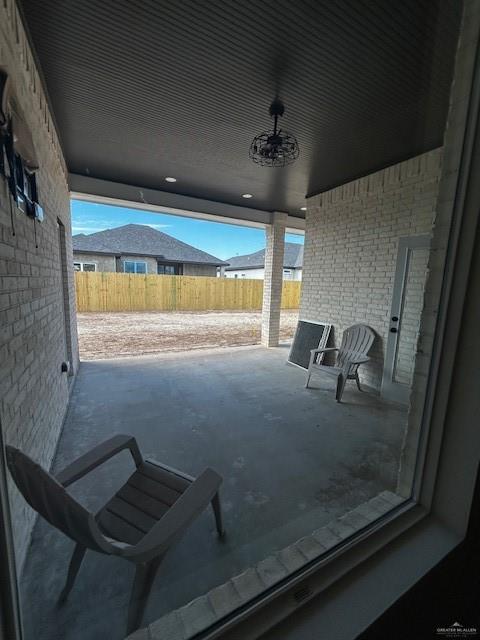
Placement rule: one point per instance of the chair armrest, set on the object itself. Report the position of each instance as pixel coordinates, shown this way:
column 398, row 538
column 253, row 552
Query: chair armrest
column 359, row 360
column 323, row 350
column 172, row 470
column 176, row 520
column 315, row 352
column 98, row 455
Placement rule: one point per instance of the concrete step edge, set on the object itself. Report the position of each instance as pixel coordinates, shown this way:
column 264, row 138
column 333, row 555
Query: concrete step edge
column 202, row 612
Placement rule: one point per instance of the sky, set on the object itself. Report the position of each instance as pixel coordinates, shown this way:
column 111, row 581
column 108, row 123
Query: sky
column 220, row 240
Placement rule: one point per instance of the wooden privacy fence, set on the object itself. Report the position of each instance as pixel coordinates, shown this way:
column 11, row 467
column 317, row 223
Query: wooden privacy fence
column 138, row 292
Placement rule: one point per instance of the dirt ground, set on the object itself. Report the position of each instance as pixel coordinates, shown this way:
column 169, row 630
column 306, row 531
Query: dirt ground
column 112, row 335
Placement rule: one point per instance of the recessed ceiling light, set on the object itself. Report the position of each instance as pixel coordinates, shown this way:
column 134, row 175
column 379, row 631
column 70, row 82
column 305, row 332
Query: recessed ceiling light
column 247, row 195
column 303, row 208
column 170, row 179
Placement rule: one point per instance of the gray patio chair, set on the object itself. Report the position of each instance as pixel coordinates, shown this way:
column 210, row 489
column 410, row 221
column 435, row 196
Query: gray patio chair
column 140, row 523
column 356, row 343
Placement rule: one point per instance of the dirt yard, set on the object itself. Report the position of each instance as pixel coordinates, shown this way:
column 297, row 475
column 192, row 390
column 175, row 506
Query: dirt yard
column 112, row 335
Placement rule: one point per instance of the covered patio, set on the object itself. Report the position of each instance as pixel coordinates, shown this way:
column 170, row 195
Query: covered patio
column 292, row 459
column 157, row 107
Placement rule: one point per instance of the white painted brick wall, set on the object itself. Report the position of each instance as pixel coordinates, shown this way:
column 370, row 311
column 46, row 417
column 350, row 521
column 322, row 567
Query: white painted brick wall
column 351, row 244
column 33, row 391
column 273, row 280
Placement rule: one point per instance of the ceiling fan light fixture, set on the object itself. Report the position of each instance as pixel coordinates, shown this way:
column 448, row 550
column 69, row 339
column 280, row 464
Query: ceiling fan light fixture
column 277, row 147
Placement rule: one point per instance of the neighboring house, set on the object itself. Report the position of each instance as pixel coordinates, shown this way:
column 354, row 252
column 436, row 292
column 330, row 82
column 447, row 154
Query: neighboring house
column 138, row 248
column 253, row 264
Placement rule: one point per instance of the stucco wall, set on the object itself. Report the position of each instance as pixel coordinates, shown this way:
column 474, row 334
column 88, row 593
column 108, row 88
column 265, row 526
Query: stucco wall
column 151, row 263
column 104, row 263
column 199, row 270
column 112, row 263
column 351, row 244
column 33, row 337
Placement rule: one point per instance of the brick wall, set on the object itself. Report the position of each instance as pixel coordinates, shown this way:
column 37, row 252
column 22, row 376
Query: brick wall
column 33, row 337
column 273, row 279
column 351, row 243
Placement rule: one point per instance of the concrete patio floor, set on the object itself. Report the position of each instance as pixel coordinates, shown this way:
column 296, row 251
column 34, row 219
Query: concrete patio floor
column 291, row 459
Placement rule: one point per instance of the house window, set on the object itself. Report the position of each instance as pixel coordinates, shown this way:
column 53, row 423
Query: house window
column 84, row 266
column 133, row 266
column 169, row 269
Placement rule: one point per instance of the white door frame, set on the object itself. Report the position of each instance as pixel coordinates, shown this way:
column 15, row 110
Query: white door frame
column 391, row 389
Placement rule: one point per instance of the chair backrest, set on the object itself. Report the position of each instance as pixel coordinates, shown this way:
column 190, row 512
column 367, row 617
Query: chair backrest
column 50, row 499
column 357, row 340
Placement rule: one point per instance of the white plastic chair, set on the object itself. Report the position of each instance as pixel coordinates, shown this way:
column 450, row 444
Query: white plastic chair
column 356, row 343
column 142, row 521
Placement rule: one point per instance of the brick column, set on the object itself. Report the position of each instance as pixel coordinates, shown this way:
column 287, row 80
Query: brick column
column 272, row 284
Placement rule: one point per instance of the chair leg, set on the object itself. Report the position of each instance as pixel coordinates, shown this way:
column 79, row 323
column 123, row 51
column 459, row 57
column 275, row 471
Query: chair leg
column 142, row 583
column 217, row 510
column 357, row 380
column 309, row 375
column 341, row 380
column 75, row 563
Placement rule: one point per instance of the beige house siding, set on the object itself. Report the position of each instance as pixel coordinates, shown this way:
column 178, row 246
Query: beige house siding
column 38, row 326
column 351, row 244
column 259, row 274
column 247, row 274
column 296, row 274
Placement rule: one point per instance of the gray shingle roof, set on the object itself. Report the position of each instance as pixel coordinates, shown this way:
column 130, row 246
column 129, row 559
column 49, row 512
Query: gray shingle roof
column 293, row 258
column 142, row 240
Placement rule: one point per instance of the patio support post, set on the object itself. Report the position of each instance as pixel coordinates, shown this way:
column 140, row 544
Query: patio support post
column 273, row 279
